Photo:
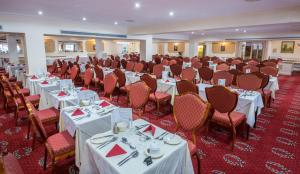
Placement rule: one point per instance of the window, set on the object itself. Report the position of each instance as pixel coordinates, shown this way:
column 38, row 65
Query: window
column 3, row 48
column 69, row 47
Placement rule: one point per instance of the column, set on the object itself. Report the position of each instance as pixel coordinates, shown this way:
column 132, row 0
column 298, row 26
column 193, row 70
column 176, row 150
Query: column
column 146, row 48
column 166, row 51
column 99, row 48
column 12, row 49
column 35, row 52
column 193, row 48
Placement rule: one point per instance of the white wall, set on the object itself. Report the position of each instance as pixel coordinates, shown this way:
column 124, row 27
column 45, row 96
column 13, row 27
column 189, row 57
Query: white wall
column 210, row 53
column 274, row 49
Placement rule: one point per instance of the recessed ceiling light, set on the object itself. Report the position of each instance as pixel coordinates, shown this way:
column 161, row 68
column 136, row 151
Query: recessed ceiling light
column 202, row 34
column 171, row 13
column 84, row 18
column 193, row 32
column 116, row 23
column 237, row 29
column 40, row 12
column 245, row 31
column 137, row 5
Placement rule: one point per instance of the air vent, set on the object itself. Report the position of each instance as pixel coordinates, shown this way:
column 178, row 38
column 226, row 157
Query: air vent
column 92, row 34
column 130, row 21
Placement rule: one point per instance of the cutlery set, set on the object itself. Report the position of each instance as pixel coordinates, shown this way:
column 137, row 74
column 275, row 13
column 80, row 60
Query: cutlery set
column 134, row 154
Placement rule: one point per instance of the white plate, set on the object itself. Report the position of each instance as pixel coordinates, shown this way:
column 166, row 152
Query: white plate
column 155, row 156
column 173, row 140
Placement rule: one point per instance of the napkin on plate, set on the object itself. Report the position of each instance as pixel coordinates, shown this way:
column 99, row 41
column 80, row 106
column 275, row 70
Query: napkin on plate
column 83, row 89
column 45, row 82
column 104, row 104
column 62, row 93
column 116, row 150
column 33, row 77
column 150, row 128
column 77, row 112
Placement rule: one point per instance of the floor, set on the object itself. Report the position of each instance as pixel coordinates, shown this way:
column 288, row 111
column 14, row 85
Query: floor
column 273, row 146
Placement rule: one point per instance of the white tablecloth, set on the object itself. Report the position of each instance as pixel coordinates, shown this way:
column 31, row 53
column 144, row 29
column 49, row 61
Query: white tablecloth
column 32, row 84
column 273, row 86
column 84, row 128
column 44, row 90
column 167, row 87
column 246, row 104
column 176, row 158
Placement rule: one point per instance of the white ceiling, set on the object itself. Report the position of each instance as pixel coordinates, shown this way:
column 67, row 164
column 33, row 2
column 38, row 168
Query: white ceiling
column 150, row 12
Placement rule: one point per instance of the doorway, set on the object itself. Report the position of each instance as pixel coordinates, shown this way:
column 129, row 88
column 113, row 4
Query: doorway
column 252, row 50
column 201, row 50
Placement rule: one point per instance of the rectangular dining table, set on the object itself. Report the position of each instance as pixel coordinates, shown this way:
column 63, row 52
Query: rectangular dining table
column 175, row 158
column 96, row 119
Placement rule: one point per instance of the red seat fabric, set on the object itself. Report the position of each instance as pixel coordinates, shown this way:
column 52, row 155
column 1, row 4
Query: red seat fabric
column 11, row 165
column 192, row 147
column 25, row 91
column 33, row 98
column 61, row 143
column 159, row 96
column 47, row 115
column 236, row 117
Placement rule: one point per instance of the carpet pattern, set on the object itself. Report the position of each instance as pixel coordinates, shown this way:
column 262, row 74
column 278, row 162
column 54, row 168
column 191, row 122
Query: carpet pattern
column 273, row 146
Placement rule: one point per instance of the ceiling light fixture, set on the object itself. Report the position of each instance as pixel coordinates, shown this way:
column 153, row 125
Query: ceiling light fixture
column 171, row 13
column 202, row 34
column 245, row 31
column 137, row 5
column 237, row 29
column 40, row 12
column 116, row 23
column 193, row 32
column 84, row 18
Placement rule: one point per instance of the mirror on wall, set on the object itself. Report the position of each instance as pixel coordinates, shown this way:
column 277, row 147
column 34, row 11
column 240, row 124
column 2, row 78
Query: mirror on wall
column 70, row 46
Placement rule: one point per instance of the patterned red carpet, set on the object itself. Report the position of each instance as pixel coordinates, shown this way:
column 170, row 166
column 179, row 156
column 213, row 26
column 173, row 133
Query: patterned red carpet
column 273, row 146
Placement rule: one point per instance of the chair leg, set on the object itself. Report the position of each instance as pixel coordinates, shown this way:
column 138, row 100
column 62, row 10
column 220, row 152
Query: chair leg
column 53, row 165
column 157, row 105
column 233, row 137
column 33, row 140
column 28, row 130
column 45, row 158
column 198, row 162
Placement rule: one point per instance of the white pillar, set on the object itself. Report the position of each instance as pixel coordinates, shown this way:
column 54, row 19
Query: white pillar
column 166, row 51
column 193, row 48
column 146, row 48
column 99, row 48
column 35, row 51
column 12, row 49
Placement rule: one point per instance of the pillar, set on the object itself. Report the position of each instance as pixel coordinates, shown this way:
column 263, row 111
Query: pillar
column 12, row 49
column 146, row 48
column 99, row 48
column 193, row 48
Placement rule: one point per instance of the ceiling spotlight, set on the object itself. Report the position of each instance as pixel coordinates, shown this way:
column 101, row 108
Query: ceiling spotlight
column 193, row 32
column 40, row 12
column 171, row 13
column 237, row 29
column 137, row 5
column 116, row 23
column 245, row 31
column 202, row 34
column 84, row 19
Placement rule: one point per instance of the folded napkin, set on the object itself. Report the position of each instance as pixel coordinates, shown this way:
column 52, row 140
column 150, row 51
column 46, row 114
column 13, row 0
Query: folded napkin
column 83, row 89
column 77, row 112
column 45, row 82
column 150, row 128
column 33, row 77
column 104, row 104
column 51, row 75
column 62, row 93
column 116, row 150
column 167, row 80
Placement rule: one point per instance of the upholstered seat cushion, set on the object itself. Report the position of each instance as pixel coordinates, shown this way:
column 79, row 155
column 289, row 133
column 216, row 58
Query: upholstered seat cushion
column 192, row 147
column 48, row 115
column 236, row 117
column 34, row 98
column 25, row 91
column 159, row 96
column 61, row 143
column 123, row 88
column 11, row 165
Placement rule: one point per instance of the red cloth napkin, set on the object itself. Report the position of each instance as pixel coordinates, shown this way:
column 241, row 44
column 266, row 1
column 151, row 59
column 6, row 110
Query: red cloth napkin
column 51, row 75
column 83, row 89
column 150, row 128
column 104, row 104
column 45, row 82
column 62, row 93
column 33, row 77
column 77, row 112
column 116, row 150
column 167, row 81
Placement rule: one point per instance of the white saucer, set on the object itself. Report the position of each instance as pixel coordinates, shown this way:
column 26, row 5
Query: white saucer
column 173, row 140
column 155, row 156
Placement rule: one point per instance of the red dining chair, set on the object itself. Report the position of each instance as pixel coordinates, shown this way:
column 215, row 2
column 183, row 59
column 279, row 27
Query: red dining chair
column 59, row 146
column 10, row 165
column 236, row 61
column 197, row 65
column 176, row 70
column 194, row 59
column 98, row 81
column 191, row 113
column 115, row 64
column 88, row 76
column 64, row 70
column 123, row 63
column 157, row 70
column 223, row 75
column 265, row 93
column 223, row 67
column 157, row 97
column 235, row 73
column 240, row 66
column 138, row 96
column 138, row 67
column 269, row 70
column 186, row 59
column 121, row 82
column 248, row 82
column 74, row 73
column 165, row 62
column 185, row 86
column 253, row 62
column 223, row 101
column 130, row 66
column 270, row 63
column 107, row 62
column 188, row 74
column 250, row 69
column 110, row 83
column 172, row 62
column 206, row 74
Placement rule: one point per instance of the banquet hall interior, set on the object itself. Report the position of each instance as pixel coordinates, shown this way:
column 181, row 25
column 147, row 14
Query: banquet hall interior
column 140, row 86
